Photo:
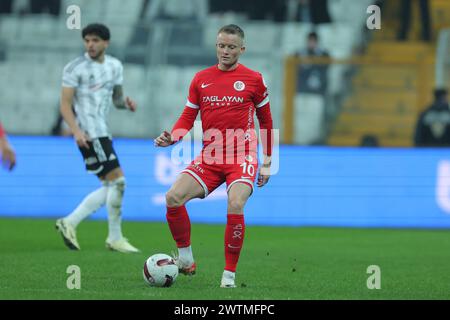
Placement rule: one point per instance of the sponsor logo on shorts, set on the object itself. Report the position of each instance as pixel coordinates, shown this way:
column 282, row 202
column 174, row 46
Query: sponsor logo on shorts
column 196, row 167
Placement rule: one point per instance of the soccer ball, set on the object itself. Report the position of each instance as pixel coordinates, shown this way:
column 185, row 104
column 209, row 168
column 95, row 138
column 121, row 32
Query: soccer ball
column 160, row 270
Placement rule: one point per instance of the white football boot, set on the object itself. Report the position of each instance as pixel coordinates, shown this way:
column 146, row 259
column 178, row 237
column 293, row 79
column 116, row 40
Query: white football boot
column 121, row 245
column 228, row 279
column 188, row 269
column 68, row 234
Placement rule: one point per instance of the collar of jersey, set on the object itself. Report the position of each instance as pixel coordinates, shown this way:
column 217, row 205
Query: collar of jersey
column 92, row 60
column 238, row 66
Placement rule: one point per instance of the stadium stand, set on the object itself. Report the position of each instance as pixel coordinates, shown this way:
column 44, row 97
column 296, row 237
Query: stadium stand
column 38, row 46
column 170, row 52
column 388, row 93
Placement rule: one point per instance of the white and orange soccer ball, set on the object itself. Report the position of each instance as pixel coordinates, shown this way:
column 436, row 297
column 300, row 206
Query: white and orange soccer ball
column 160, row 270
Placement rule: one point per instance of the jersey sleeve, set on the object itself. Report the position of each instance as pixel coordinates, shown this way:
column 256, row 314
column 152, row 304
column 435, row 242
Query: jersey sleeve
column 2, row 131
column 262, row 104
column 70, row 77
column 193, row 100
column 118, row 81
column 261, row 96
column 187, row 118
column 184, row 124
column 266, row 128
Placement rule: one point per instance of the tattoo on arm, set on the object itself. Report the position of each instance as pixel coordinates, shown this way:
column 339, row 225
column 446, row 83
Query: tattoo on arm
column 118, row 99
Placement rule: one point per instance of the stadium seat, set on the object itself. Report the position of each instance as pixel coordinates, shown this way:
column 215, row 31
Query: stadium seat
column 293, row 37
column 348, row 11
column 9, row 26
column 116, row 14
column 134, row 75
column 213, row 23
column 338, row 39
column 336, row 80
column 187, row 74
column 309, row 118
column 261, row 36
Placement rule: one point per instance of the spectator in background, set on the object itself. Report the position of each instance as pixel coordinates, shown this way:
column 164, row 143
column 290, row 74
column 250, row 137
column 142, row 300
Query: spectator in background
column 7, row 154
column 369, row 140
column 405, row 19
column 433, row 125
column 312, row 78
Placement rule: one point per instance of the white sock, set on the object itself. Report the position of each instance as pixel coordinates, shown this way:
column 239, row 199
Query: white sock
column 114, row 198
column 229, row 274
column 91, row 203
column 186, row 255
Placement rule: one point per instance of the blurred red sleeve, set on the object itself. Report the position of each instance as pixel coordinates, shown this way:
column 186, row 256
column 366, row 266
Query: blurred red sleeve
column 184, row 124
column 265, row 125
column 2, row 131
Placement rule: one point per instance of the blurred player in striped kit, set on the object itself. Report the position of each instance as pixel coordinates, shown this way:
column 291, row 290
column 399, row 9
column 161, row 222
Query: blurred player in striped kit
column 91, row 83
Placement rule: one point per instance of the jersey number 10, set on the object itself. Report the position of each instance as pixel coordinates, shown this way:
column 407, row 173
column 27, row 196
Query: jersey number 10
column 248, row 168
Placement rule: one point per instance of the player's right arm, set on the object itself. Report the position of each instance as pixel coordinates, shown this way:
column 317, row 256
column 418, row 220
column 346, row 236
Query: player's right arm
column 67, row 95
column 185, row 122
column 183, row 125
column 164, row 139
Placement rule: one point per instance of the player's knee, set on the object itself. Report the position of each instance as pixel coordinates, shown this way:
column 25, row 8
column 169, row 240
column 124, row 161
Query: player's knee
column 118, row 184
column 235, row 205
column 174, row 198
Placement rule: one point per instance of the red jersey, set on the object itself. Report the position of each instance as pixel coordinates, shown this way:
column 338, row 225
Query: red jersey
column 227, row 101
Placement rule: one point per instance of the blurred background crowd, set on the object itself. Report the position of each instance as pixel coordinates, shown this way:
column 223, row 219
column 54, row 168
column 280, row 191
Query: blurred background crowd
column 332, row 80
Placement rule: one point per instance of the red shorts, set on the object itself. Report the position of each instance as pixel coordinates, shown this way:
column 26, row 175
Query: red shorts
column 211, row 176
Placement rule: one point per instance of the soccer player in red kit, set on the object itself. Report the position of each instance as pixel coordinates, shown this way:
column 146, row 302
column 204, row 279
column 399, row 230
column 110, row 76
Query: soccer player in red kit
column 227, row 95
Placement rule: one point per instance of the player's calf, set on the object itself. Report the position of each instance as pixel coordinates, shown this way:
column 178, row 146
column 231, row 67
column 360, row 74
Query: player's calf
column 116, row 189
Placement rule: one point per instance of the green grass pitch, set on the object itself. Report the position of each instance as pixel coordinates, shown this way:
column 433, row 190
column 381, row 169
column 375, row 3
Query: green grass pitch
column 276, row 263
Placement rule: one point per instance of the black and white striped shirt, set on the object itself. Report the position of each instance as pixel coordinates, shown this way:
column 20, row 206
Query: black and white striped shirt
column 93, row 83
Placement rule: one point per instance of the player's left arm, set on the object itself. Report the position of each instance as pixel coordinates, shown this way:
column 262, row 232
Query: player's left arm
column 265, row 125
column 120, row 102
column 118, row 98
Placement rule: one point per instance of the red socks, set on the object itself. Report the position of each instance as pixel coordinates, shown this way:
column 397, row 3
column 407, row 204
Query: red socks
column 234, row 238
column 179, row 225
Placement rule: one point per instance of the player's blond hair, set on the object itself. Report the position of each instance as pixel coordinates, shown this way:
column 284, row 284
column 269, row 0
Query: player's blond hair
column 232, row 29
